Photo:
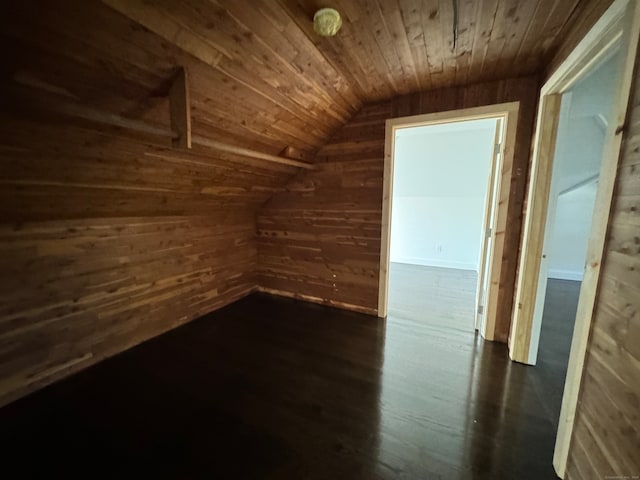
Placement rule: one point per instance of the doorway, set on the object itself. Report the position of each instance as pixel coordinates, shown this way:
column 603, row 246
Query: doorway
column 585, row 114
column 433, row 242
column 614, row 35
column 441, row 179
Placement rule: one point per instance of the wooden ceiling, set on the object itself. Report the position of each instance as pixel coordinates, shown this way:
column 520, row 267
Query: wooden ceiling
column 259, row 76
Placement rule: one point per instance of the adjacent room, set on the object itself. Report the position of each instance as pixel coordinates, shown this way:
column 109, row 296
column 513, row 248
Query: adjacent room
column 585, row 114
column 353, row 239
column 441, row 175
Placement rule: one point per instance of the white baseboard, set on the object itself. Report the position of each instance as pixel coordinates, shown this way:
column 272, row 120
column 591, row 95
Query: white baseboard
column 435, row 262
column 565, row 274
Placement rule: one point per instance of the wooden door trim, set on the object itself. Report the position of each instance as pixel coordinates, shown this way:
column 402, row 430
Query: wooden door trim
column 620, row 23
column 486, row 225
column 507, row 111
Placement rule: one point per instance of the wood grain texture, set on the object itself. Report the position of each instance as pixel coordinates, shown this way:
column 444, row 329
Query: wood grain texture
column 270, row 388
column 606, row 436
column 76, row 291
column 106, row 242
column 527, row 288
column 388, row 48
column 180, row 109
column 585, row 15
column 54, row 171
column 259, row 80
column 296, row 88
column 321, row 237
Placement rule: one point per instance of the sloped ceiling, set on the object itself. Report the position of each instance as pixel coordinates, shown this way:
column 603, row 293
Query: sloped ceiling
column 259, row 76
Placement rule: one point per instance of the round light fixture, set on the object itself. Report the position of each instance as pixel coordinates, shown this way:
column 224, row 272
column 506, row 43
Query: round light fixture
column 327, row 22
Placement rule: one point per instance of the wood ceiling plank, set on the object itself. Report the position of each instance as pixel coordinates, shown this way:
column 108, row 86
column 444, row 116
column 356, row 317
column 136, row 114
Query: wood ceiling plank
column 170, row 30
column 397, row 66
column 255, row 113
column 310, row 119
column 467, row 31
column 412, row 21
column 259, row 124
column 248, row 58
column 433, row 39
column 518, row 20
column 348, row 45
column 62, row 61
column 82, row 26
column 392, row 18
column 257, row 37
column 304, row 57
column 277, row 83
column 450, row 63
column 550, row 18
column 333, row 52
column 233, row 69
column 558, row 19
column 499, row 32
column 488, row 10
column 69, row 53
column 261, row 128
column 534, row 28
column 359, row 38
column 585, row 16
column 533, row 24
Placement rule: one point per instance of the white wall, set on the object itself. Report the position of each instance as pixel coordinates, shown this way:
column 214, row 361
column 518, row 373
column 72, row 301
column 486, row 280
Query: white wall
column 439, row 189
column 568, row 250
column 578, row 158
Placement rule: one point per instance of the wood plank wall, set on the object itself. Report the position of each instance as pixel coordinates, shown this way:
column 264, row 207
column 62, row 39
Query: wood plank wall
column 106, row 242
column 606, row 436
column 320, row 239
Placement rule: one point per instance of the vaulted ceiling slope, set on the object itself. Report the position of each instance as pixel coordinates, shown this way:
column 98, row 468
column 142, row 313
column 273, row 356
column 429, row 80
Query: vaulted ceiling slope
column 259, row 76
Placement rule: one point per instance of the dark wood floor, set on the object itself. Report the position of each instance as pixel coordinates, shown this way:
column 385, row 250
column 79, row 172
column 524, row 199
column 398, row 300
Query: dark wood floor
column 274, row 388
column 558, row 319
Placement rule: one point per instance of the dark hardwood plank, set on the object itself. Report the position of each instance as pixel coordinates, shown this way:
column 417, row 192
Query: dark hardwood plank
column 558, row 319
column 275, row 388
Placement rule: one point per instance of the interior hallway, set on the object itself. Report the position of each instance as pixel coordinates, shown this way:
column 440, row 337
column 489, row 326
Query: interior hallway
column 319, row 393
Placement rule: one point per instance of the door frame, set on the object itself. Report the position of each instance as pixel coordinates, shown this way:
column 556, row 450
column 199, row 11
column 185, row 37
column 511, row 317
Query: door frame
column 620, row 23
column 550, row 212
column 487, row 228
column 507, row 111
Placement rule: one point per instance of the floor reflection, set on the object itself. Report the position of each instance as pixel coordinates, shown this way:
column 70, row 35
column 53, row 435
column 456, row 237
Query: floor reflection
column 438, row 296
column 274, row 388
column 456, row 407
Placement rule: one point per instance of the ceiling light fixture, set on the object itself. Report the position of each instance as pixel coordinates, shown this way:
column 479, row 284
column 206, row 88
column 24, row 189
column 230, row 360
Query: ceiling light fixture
column 327, row 22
